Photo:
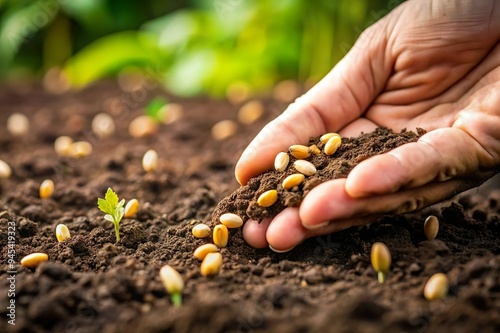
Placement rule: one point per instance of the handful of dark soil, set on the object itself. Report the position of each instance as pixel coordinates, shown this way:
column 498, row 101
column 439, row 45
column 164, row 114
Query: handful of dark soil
column 243, row 202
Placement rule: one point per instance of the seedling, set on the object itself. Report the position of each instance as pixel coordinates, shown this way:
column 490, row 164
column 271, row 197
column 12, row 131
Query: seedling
column 113, row 209
column 381, row 260
column 173, row 283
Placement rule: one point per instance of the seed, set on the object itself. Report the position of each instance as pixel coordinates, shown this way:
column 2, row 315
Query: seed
column 293, row 180
column 436, row 287
column 381, row 260
column 80, row 149
column 314, row 150
column 18, row 124
column 201, row 252
column 142, row 126
column 201, row 230
column 250, row 112
column 281, row 161
column 62, row 145
column 150, row 161
column 103, row 125
column 62, row 232
column 286, row 91
column 173, row 283
column 231, row 220
column 332, row 145
column 34, row 259
column 267, row 198
column 224, row 129
column 211, row 264
column 324, row 138
column 5, row 170
column 171, row 112
column 221, row 235
column 305, row 167
column 131, row 208
column 46, row 189
column 299, row 151
column 431, row 227
column 238, row 92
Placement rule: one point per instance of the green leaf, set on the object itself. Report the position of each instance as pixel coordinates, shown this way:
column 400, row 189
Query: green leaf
column 104, row 206
column 154, row 107
column 109, row 218
column 112, row 198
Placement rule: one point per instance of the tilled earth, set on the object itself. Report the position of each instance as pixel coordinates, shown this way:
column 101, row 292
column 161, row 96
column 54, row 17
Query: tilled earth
column 93, row 284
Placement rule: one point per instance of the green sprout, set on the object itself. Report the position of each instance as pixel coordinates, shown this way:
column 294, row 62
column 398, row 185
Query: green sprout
column 114, row 210
column 155, row 107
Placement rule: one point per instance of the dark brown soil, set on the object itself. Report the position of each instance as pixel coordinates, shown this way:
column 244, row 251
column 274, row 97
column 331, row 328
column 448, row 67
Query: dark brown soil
column 93, row 284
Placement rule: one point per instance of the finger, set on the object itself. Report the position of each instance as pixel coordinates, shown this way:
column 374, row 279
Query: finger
column 339, row 98
column 330, row 201
column 254, row 233
column 437, row 156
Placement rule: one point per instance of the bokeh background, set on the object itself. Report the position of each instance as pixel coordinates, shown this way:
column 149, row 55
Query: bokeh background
column 190, row 47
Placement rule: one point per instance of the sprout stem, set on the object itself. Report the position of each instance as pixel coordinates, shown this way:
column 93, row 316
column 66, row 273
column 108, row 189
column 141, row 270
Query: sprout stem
column 117, row 231
column 381, row 277
column 176, row 299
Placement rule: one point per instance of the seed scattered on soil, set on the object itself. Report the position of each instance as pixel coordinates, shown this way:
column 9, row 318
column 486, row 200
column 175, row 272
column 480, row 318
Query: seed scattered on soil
column 231, row 220
column 381, row 260
column 436, row 287
column 250, row 112
column 62, row 232
column 62, row 145
column 143, row 126
column 220, row 235
column 150, row 161
column 34, row 259
column 171, row 112
column 103, row 125
column 299, row 151
column 201, row 230
column 281, row 161
column 46, row 189
column 325, row 137
column 267, row 198
column 305, row 167
column 5, row 170
column 431, row 227
column 173, row 283
column 80, row 149
column 332, row 145
column 224, row 129
column 314, row 150
column 18, row 124
column 293, row 180
column 201, row 252
column 131, row 208
column 211, row 264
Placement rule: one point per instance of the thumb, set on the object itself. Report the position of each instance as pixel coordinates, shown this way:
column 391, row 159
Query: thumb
column 339, row 98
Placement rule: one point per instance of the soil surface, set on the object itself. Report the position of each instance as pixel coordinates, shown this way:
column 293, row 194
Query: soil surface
column 91, row 283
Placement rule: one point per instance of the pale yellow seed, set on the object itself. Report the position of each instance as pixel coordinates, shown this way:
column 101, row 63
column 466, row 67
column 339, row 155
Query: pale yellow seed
column 267, row 198
column 103, row 125
column 281, row 161
column 62, row 145
column 5, row 170
column 431, row 227
column 62, row 232
column 381, row 260
column 171, row 280
column 46, row 189
column 201, row 230
column 18, row 124
column 171, row 112
column 80, row 149
column 332, row 145
column 293, row 180
column 238, row 92
column 34, row 259
column 231, row 220
column 324, row 138
column 143, row 126
column 304, row 167
column 131, row 208
column 299, row 151
column 250, row 112
column 436, row 287
column 224, row 129
column 314, row 150
column 220, row 235
column 201, row 252
column 150, row 161
column 211, row 264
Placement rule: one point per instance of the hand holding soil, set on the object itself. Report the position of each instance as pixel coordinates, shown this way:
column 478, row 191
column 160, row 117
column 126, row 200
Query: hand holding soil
column 429, row 64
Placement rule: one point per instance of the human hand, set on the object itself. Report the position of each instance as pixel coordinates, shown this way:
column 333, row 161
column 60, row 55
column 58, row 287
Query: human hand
column 433, row 64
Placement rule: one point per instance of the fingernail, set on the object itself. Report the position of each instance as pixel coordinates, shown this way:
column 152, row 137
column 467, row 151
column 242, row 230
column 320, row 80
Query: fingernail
column 281, row 251
column 316, row 226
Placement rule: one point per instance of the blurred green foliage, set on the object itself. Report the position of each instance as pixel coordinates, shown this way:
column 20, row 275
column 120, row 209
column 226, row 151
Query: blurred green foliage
column 190, row 46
